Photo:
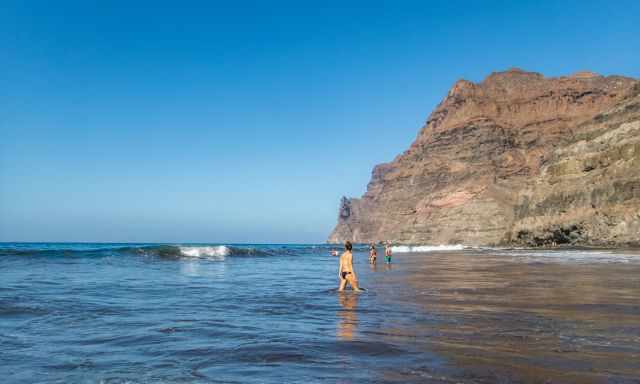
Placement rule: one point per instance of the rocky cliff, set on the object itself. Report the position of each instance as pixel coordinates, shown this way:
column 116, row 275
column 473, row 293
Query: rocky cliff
column 518, row 159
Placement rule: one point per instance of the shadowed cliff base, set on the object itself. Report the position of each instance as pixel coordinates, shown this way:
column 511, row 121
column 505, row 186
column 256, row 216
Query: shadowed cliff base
column 517, row 159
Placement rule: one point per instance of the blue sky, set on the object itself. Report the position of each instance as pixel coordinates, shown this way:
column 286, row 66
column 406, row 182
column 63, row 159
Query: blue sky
column 155, row 121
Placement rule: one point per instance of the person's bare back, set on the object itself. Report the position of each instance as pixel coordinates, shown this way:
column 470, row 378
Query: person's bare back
column 346, row 262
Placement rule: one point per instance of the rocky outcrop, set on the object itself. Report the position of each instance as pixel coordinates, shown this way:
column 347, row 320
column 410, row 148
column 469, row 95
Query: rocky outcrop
column 516, row 159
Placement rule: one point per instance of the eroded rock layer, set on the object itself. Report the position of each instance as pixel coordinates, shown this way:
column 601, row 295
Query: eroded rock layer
column 517, row 159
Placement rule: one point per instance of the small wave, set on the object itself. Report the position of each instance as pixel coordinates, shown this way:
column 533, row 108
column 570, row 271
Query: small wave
column 426, row 248
column 213, row 252
column 220, row 251
column 169, row 251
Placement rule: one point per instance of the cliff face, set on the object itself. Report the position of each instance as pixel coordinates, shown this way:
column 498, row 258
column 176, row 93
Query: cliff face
column 517, row 159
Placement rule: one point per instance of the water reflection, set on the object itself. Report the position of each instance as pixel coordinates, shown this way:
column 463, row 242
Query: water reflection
column 522, row 318
column 202, row 269
column 347, row 315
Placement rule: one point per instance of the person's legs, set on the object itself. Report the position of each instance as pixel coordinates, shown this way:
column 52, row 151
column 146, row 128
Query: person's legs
column 353, row 282
column 343, row 284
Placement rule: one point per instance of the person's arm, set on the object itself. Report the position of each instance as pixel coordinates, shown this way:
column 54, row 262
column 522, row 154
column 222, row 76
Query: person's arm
column 353, row 271
column 340, row 268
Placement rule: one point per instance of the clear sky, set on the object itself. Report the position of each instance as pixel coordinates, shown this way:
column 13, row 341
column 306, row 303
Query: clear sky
column 155, row 121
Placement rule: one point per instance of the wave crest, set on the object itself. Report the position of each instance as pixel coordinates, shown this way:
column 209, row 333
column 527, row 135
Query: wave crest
column 217, row 252
column 426, row 248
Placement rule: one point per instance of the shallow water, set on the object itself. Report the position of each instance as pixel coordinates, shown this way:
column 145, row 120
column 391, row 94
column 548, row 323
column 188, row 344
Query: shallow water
column 90, row 313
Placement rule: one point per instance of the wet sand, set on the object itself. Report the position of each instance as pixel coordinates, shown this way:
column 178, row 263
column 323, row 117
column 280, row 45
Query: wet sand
column 512, row 316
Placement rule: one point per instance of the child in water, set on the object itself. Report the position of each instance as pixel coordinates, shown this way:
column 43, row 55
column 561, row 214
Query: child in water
column 373, row 254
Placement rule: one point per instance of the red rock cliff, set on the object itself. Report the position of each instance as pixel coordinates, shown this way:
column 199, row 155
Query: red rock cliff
column 515, row 159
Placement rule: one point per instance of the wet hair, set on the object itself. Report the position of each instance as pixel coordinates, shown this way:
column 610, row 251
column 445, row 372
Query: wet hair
column 347, row 245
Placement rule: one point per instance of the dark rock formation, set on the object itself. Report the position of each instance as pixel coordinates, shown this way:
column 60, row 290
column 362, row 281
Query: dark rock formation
column 516, row 159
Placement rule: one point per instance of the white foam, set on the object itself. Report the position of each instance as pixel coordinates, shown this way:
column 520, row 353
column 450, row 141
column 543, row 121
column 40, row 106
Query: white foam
column 575, row 256
column 426, row 248
column 218, row 252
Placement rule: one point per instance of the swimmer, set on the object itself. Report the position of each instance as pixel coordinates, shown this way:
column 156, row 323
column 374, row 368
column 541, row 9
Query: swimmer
column 346, row 273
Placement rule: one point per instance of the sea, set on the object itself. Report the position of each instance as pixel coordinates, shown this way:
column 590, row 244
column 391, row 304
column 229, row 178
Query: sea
column 242, row 313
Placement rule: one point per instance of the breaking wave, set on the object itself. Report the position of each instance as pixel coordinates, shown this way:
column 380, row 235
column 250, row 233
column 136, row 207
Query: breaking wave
column 219, row 251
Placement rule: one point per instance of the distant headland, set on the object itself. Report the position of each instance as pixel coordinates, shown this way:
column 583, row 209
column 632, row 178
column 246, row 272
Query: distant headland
column 517, row 159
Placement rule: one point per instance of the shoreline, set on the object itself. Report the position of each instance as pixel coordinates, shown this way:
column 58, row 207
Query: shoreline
column 625, row 246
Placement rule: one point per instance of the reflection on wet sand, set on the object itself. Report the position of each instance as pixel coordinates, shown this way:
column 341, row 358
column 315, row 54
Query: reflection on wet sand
column 347, row 315
column 514, row 319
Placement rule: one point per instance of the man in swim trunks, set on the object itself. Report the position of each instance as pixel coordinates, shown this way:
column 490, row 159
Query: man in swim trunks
column 373, row 253
column 346, row 273
column 387, row 253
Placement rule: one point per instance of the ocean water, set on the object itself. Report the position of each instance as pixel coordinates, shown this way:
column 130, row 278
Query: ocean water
column 214, row 313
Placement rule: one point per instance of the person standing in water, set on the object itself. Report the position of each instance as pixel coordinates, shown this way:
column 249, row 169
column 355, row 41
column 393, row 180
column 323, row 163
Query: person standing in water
column 373, row 253
column 387, row 253
column 346, row 272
